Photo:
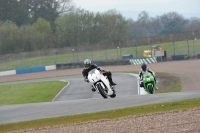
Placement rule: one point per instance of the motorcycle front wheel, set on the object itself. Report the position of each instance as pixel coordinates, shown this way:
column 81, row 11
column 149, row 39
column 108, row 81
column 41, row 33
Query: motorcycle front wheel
column 150, row 88
column 102, row 91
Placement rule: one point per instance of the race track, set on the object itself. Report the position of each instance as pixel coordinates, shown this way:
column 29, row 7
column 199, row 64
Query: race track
column 77, row 98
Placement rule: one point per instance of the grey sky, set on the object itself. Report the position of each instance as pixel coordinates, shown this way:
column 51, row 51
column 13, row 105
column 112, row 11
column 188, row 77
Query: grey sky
column 131, row 8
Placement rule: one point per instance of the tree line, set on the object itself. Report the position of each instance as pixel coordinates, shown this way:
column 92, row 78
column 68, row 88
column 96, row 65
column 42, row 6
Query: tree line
column 30, row 25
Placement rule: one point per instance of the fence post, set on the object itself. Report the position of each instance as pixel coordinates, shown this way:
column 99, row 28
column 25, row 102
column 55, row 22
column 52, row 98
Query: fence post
column 150, row 48
column 106, row 55
column 193, row 47
column 174, row 48
column 188, row 48
column 92, row 55
column 136, row 51
column 117, row 52
column 120, row 53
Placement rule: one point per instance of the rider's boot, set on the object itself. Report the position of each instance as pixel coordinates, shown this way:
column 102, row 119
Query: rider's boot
column 111, row 82
column 141, row 84
column 156, row 88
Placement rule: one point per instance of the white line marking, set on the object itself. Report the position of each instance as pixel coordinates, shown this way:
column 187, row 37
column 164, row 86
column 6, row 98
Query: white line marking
column 136, row 75
column 141, row 90
column 61, row 90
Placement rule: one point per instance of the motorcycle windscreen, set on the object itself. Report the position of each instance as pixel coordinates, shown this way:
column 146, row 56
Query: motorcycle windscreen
column 94, row 75
column 147, row 77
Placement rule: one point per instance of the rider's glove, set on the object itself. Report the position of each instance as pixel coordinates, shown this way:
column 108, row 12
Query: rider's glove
column 154, row 74
column 86, row 80
column 99, row 68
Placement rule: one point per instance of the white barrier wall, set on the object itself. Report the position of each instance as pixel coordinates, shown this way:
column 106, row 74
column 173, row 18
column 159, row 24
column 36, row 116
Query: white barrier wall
column 11, row 72
column 52, row 67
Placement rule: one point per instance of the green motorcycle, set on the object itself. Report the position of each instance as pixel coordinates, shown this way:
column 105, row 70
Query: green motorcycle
column 149, row 83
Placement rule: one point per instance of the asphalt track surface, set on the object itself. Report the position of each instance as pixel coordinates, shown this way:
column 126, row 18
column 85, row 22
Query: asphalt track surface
column 77, row 98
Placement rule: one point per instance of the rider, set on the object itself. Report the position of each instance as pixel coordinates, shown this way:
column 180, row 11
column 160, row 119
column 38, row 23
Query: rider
column 88, row 66
column 143, row 69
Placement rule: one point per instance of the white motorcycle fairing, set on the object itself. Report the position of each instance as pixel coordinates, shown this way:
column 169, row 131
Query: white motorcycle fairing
column 95, row 75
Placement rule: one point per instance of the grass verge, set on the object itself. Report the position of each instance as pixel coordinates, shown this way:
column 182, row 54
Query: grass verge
column 168, row 83
column 29, row 92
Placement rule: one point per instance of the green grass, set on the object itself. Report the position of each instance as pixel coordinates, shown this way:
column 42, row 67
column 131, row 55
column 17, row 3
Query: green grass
column 110, row 54
column 30, row 92
column 112, row 114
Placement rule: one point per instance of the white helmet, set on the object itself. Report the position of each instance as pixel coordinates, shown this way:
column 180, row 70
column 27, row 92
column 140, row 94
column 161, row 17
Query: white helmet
column 87, row 63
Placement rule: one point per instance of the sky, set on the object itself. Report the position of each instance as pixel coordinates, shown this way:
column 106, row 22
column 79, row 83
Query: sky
column 131, row 8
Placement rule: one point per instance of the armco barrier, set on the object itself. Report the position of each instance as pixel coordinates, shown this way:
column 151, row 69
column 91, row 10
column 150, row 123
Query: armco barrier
column 98, row 63
column 178, row 57
column 198, row 56
column 69, row 65
column 145, row 60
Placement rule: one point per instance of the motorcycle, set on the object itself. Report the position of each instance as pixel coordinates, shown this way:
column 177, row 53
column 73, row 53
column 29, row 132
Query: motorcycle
column 149, row 83
column 101, row 83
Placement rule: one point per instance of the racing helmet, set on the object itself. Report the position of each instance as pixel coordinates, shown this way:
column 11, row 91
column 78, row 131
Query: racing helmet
column 144, row 67
column 87, row 63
